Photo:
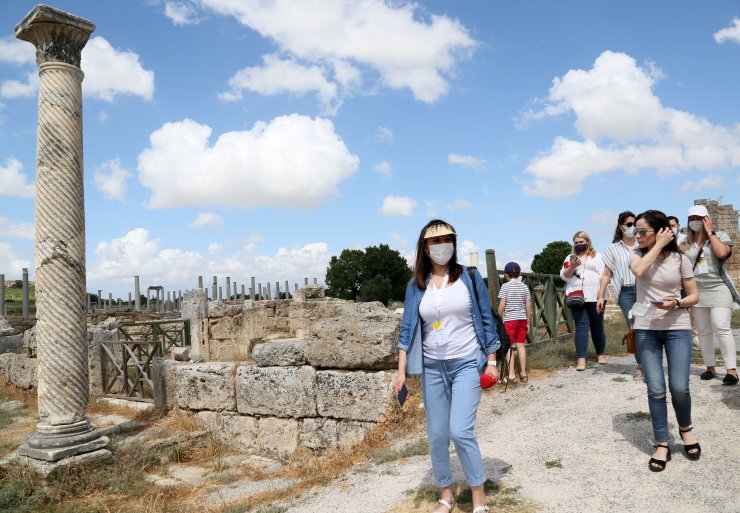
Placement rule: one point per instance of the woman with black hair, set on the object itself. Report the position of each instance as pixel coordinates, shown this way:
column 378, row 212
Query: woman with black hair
column 662, row 324
column 447, row 335
column 617, row 269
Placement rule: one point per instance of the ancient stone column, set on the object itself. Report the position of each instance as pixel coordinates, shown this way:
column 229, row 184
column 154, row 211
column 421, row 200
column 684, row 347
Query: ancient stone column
column 244, row 297
column 137, row 294
column 305, row 281
column 26, row 294
column 228, row 288
column 61, row 331
column 2, row 294
column 215, row 288
column 287, row 290
column 200, row 282
column 252, row 289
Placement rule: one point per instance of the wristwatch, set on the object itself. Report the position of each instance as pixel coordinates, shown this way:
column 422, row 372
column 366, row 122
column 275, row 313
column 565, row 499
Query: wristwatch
column 491, row 362
column 678, row 304
column 713, row 233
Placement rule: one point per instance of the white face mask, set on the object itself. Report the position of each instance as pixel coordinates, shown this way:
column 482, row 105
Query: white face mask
column 441, row 253
column 675, row 231
column 630, row 232
column 697, row 226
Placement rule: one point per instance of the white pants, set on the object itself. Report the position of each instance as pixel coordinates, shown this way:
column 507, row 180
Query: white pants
column 714, row 324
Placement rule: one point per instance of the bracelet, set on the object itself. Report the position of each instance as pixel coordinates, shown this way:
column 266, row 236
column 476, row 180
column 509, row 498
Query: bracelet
column 712, row 233
column 678, row 304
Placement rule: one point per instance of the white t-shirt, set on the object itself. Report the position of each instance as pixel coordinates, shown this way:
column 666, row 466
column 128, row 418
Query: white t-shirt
column 588, row 279
column 455, row 314
column 661, row 281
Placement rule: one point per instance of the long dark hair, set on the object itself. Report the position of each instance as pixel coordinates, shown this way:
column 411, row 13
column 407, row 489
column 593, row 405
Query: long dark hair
column 424, row 264
column 618, row 234
column 657, row 220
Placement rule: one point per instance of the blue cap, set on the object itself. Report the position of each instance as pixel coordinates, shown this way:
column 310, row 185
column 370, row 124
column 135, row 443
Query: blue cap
column 512, row 267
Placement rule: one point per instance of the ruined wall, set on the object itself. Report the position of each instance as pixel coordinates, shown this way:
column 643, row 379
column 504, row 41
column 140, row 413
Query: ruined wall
column 725, row 218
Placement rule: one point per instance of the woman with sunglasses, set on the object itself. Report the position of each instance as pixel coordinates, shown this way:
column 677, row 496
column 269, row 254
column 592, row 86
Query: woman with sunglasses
column 582, row 271
column 662, row 324
column 617, row 269
column 708, row 251
column 447, row 335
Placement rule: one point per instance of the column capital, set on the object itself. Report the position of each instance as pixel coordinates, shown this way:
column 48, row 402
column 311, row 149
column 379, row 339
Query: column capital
column 57, row 35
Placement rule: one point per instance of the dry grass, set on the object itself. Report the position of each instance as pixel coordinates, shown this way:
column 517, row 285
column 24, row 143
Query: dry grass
column 500, row 499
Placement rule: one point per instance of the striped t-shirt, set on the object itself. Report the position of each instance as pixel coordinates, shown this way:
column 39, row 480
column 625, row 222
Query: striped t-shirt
column 515, row 293
column 617, row 257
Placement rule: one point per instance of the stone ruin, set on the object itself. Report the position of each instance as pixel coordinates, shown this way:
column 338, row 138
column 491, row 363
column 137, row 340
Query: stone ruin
column 266, row 376
column 725, row 218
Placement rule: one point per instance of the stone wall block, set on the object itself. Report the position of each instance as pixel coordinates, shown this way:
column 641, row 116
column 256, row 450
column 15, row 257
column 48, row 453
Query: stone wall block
column 206, row 386
column 364, row 337
column 362, row 396
column 350, row 432
column 318, row 434
column 308, row 293
column 277, row 437
column 239, row 432
column 276, row 391
column 19, row 370
column 280, row 353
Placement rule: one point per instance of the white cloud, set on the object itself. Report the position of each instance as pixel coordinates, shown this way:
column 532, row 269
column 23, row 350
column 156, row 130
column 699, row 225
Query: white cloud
column 14, row 182
column 398, row 240
column 282, row 76
column 110, row 179
column 624, row 127
column 15, row 51
column 11, row 262
column 604, row 217
column 708, row 182
column 460, row 204
column 385, row 134
column 731, row 33
column 466, row 161
column 11, row 228
column 115, row 262
column 249, row 168
column 206, row 219
column 392, row 39
column 252, row 242
column 463, row 254
column 181, row 13
column 398, row 206
column 384, row 168
column 214, row 248
column 108, row 73
column 19, row 88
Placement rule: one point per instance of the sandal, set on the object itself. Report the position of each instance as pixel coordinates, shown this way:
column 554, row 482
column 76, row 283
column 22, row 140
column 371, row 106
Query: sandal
column 730, row 379
column 481, row 509
column 657, row 465
column 447, row 504
column 523, row 378
column 693, row 456
column 707, row 375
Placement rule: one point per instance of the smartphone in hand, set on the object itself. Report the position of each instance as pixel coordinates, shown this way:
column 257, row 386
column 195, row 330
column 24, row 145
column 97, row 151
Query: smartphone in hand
column 402, row 395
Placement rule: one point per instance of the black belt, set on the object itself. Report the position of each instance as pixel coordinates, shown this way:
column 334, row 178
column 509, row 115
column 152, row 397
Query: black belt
column 627, row 287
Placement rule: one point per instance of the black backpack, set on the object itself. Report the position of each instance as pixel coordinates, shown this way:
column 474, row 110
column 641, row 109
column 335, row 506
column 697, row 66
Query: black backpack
column 498, row 324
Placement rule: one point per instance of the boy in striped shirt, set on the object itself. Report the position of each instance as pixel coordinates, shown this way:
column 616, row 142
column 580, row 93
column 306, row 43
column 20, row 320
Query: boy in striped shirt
column 515, row 307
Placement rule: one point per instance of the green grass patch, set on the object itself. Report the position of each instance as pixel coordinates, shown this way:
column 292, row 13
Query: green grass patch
column 418, row 448
column 619, row 379
column 553, row 464
column 638, row 415
column 6, row 419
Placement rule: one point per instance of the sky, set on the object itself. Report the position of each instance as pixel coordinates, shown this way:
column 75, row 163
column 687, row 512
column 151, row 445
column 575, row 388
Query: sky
column 249, row 138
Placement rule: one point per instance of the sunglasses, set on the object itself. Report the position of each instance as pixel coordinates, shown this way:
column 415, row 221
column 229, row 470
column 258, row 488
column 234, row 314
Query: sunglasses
column 642, row 231
column 629, row 225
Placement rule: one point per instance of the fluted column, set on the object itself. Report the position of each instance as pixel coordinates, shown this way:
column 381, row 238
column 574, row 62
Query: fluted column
column 61, row 329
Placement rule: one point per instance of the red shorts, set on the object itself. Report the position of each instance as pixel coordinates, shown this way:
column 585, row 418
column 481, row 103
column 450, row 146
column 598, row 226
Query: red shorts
column 517, row 331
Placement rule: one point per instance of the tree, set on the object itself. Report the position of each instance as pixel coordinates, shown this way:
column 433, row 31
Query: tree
column 377, row 274
column 550, row 260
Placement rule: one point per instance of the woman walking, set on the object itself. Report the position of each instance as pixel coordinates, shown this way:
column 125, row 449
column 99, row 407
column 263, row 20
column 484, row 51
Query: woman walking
column 447, row 335
column 582, row 271
column 515, row 308
column 662, row 323
column 708, row 250
column 617, row 269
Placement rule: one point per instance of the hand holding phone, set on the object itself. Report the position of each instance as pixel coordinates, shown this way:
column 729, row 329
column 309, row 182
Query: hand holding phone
column 402, row 395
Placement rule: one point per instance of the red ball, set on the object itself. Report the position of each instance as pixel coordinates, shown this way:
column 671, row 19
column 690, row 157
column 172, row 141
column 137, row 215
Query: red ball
column 486, row 380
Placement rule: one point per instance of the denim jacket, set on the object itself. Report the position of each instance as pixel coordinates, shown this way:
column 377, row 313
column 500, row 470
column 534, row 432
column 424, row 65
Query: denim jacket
column 410, row 337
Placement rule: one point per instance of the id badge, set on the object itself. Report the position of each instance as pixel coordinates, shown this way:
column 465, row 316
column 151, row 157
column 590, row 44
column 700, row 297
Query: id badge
column 702, row 267
column 439, row 333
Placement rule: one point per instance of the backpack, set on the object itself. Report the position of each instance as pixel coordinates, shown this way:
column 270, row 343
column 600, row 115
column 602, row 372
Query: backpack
column 498, row 324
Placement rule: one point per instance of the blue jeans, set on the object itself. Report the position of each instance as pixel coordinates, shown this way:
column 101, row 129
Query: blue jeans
column 452, row 391
column 677, row 346
column 625, row 301
column 586, row 317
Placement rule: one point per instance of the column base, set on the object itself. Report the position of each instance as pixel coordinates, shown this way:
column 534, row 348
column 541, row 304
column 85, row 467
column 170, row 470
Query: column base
column 45, row 468
column 55, row 442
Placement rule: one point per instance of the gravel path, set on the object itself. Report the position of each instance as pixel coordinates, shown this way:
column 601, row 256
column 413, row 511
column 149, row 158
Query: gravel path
column 583, row 420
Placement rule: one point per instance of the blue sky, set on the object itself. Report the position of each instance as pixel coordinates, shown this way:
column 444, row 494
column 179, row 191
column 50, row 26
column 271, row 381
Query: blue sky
column 242, row 138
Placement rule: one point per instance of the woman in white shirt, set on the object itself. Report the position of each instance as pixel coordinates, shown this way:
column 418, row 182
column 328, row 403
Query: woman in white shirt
column 582, row 270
